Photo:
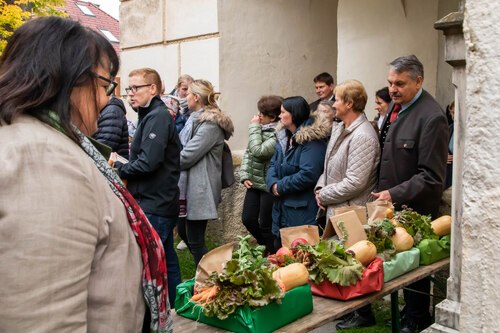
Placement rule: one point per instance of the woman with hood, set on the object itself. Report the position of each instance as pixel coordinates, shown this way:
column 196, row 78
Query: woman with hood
column 200, row 182
column 296, row 165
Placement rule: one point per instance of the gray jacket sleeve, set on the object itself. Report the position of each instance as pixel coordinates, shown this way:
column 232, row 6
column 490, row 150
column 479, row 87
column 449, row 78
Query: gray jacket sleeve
column 203, row 140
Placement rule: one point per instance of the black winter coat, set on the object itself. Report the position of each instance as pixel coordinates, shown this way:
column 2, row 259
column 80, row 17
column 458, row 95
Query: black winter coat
column 413, row 160
column 154, row 165
column 112, row 129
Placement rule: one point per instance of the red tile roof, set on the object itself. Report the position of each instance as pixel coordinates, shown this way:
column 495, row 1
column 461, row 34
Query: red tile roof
column 100, row 20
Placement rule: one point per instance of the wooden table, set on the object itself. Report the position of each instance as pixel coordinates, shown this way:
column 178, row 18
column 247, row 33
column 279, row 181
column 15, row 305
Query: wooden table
column 327, row 310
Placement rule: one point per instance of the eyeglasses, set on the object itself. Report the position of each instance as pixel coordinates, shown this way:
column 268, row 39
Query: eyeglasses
column 112, row 84
column 134, row 89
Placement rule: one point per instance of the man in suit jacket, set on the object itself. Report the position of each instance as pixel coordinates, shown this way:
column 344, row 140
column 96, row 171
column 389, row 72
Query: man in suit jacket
column 324, row 85
column 413, row 162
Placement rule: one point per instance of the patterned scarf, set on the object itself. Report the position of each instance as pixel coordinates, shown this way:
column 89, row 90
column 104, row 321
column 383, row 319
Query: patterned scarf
column 154, row 273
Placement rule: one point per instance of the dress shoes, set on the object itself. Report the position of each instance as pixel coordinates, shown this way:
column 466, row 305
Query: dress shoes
column 411, row 326
column 356, row 321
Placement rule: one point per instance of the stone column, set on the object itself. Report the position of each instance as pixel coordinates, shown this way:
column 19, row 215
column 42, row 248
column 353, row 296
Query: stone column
column 448, row 311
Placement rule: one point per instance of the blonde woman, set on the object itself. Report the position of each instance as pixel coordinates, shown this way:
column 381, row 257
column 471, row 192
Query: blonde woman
column 201, row 163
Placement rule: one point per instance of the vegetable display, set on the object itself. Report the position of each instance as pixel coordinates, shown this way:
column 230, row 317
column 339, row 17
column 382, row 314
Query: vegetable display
column 417, row 225
column 329, row 260
column 364, row 251
column 380, row 233
column 401, row 239
column 442, row 225
column 245, row 280
column 291, row 276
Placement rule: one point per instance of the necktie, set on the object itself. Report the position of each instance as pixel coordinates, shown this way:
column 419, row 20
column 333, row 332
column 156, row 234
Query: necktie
column 395, row 111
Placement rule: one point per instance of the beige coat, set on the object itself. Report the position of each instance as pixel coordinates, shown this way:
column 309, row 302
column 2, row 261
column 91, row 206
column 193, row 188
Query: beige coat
column 68, row 258
column 351, row 163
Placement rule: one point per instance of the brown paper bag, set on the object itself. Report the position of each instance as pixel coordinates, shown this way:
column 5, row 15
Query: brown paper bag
column 309, row 232
column 213, row 261
column 351, row 224
column 359, row 210
column 377, row 209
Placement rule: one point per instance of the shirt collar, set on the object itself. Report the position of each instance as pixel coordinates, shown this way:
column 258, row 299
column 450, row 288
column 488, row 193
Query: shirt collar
column 407, row 105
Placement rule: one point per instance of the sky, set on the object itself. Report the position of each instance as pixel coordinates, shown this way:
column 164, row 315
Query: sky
column 109, row 6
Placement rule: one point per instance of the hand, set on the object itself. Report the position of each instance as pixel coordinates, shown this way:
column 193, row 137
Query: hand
column 112, row 159
column 255, row 120
column 318, row 200
column 274, row 189
column 247, row 184
column 450, row 159
column 383, row 195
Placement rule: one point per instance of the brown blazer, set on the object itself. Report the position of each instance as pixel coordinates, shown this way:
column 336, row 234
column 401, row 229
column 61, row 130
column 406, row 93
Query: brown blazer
column 413, row 160
column 68, row 258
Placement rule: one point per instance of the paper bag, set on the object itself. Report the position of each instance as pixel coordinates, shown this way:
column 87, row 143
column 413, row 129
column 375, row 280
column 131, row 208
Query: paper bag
column 309, row 232
column 377, row 209
column 359, row 210
column 213, row 261
column 348, row 222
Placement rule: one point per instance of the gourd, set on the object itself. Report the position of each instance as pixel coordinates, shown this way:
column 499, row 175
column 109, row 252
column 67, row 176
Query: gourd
column 291, row 276
column 442, row 226
column 401, row 239
column 364, row 251
column 389, row 213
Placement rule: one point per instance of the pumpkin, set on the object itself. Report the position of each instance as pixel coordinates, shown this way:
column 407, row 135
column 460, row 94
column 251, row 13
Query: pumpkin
column 401, row 239
column 291, row 276
column 364, row 251
column 442, row 225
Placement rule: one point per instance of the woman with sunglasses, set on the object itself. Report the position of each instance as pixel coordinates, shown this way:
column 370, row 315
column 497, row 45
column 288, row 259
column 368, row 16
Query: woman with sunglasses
column 76, row 251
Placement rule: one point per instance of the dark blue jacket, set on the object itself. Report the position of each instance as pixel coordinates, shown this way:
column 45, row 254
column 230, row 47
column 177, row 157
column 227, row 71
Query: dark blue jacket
column 296, row 170
column 154, row 166
column 112, row 128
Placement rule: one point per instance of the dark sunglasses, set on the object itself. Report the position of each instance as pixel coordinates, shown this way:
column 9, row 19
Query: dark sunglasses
column 111, row 84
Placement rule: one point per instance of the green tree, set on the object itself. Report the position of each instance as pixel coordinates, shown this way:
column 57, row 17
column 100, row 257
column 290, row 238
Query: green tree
column 13, row 13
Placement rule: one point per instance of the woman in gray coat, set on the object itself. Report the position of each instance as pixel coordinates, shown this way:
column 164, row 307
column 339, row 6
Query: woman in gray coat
column 201, row 164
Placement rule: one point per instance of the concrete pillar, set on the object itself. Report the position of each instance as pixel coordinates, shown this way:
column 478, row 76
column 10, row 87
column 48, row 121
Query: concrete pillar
column 473, row 293
column 448, row 311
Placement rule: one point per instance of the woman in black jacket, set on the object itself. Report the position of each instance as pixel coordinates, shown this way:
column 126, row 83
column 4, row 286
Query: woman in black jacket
column 112, row 128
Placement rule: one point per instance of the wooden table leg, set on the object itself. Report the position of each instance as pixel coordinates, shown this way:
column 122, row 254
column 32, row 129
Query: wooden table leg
column 396, row 323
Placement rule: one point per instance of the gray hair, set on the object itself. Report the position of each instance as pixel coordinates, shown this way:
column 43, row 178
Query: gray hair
column 409, row 64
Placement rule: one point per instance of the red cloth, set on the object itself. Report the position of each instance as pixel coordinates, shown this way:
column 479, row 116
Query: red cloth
column 395, row 111
column 371, row 281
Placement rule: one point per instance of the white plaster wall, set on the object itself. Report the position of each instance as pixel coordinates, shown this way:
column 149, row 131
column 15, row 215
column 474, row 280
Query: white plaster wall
column 162, row 58
column 373, row 33
column 480, row 292
column 190, row 18
column 200, row 59
column 142, row 22
column 272, row 47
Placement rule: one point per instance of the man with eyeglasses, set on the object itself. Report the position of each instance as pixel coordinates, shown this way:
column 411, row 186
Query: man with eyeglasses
column 152, row 172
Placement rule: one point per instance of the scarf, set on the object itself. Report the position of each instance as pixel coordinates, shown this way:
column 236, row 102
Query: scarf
column 154, row 273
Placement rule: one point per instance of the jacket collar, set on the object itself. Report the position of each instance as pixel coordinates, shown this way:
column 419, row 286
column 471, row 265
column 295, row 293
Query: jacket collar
column 153, row 104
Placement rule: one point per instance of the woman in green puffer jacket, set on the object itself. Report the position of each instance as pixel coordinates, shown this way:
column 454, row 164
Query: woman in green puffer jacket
column 258, row 204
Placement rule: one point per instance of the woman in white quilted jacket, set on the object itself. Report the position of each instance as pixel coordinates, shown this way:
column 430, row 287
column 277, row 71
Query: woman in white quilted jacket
column 352, row 155
column 351, row 163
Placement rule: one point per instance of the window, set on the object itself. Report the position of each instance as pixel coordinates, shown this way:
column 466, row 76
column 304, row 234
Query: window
column 85, row 10
column 109, row 36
